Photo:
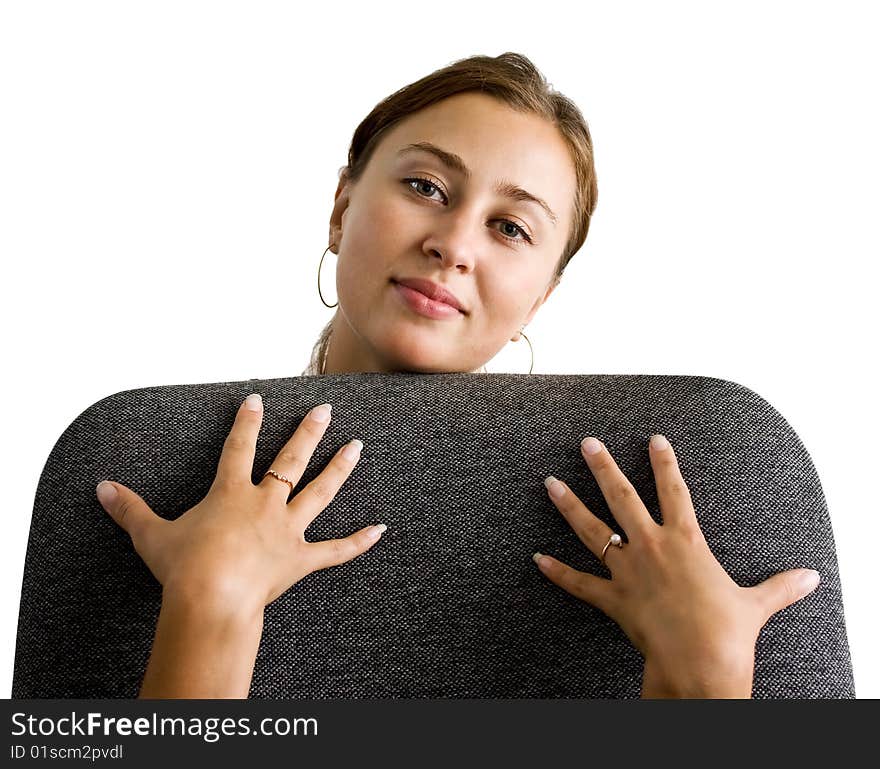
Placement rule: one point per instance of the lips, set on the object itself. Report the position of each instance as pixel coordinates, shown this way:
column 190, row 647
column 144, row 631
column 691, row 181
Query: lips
column 432, row 290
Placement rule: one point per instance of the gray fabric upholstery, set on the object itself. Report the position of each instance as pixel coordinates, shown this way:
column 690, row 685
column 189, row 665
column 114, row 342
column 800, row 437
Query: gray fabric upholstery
column 448, row 604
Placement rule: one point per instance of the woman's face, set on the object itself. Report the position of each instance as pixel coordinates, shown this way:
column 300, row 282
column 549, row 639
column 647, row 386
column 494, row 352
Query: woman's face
column 413, row 216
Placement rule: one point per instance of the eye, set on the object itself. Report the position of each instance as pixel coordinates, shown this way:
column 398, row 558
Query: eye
column 428, row 183
column 425, row 183
column 516, row 228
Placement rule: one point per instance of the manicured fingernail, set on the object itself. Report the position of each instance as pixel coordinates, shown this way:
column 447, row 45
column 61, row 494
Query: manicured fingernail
column 591, row 445
column 658, row 442
column 106, row 493
column 321, row 413
column 374, row 532
column 556, row 489
column 809, row 579
column 353, row 449
column 540, row 559
column 254, row 402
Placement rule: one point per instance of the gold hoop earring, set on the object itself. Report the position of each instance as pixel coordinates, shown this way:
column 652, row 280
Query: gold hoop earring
column 319, row 279
column 531, row 351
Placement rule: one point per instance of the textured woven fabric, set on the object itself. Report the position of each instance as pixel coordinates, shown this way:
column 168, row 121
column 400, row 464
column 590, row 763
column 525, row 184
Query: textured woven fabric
column 448, row 604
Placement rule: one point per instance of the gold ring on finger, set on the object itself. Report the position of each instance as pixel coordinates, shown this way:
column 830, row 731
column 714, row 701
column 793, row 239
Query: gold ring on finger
column 280, row 477
column 615, row 540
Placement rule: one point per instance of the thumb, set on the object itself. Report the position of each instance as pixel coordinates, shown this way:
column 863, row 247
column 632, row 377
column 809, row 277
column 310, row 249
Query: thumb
column 783, row 589
column 126, row 507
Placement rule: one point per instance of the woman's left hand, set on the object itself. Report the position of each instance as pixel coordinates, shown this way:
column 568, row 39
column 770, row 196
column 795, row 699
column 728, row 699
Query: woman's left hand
column 695, row 627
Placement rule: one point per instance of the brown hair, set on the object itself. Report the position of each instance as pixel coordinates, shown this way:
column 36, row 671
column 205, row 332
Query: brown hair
column 511, row 78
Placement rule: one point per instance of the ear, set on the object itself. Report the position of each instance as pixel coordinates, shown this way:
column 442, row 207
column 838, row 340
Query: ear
column 343, row 190
column 538, row 302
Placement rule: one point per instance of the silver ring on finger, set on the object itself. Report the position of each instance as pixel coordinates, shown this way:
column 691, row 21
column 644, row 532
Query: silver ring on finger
column 615, row 540
column 280, row 477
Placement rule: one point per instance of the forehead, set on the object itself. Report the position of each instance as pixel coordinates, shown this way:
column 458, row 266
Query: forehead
column 495, row 141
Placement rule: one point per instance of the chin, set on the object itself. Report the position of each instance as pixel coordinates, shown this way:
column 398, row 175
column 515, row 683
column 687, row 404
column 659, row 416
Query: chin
column 412, row 354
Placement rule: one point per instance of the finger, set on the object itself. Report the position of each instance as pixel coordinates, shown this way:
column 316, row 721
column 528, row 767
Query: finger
column 294, row 457
column 592, row 531
column 236, row 463
column 332, row 552
column 676, row 506
column 783, row 589
column 127, row 508
column 308, row 504
column 594, row 590
column 623, row 500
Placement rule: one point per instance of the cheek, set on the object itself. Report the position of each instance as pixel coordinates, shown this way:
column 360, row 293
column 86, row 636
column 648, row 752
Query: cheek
column 400, row 235
column 371, row 242
column 380, row 227
column 509, row 294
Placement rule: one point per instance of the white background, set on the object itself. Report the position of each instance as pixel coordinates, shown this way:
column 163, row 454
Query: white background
column 167, row 172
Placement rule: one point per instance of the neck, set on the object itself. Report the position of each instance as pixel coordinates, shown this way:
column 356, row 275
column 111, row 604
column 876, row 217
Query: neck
column 347, row 353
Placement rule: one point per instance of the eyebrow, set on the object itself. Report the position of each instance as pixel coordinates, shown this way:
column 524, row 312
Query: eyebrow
column 453, row 161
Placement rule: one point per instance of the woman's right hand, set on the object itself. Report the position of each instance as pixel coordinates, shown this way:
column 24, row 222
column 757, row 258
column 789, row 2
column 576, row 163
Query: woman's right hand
column 245, row 543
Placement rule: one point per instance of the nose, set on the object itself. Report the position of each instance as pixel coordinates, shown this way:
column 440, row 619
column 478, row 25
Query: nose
column 453, row 239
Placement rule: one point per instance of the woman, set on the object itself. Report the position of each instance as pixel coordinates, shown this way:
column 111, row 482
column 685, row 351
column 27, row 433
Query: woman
column 475, row 186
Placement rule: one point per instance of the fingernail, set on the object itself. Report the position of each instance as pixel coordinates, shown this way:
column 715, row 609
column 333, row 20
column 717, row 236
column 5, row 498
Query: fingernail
column 540, row 559
column 253, row 402
column 374, row 532
column 106, row 493
column 555, row 488
column 353, row 449
column 321, row 413
column 658, row 442
column 809, row 579
column 591, row 445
